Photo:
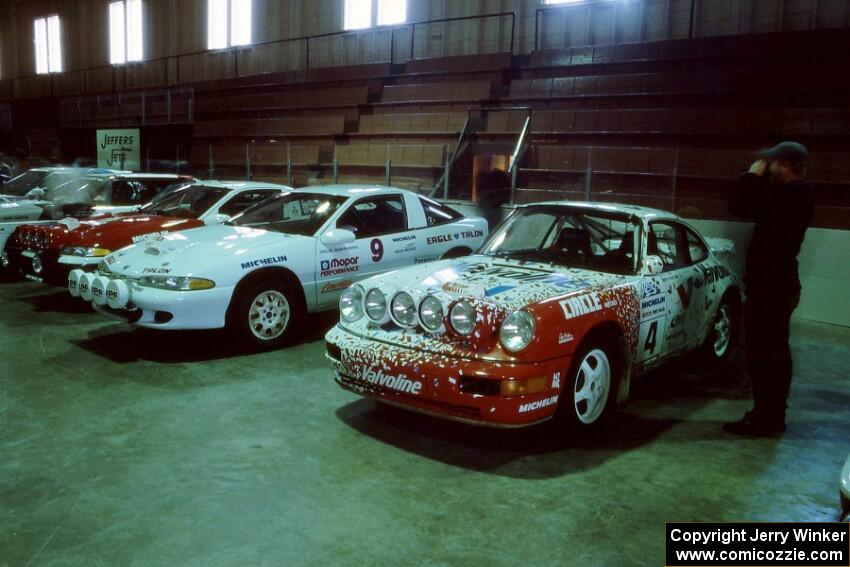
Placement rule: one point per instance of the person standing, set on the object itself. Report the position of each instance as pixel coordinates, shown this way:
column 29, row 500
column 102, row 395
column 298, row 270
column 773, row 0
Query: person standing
column 776, row 197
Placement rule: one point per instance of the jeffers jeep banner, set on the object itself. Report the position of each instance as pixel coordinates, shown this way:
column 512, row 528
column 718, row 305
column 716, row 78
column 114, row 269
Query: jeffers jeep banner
column 761, row 544
column 119, row 149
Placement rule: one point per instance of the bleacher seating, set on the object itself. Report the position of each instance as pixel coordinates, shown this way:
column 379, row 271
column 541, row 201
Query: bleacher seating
column 279, row 127
column 314, row 99
column 407, row 155
column 472, row 91
column 412, row 123
column 669, row 124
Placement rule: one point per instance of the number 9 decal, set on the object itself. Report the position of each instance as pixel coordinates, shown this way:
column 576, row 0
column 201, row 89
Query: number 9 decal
column 377, row 248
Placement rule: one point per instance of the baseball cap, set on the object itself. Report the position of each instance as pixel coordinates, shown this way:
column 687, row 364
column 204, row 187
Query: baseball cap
column 786, row 151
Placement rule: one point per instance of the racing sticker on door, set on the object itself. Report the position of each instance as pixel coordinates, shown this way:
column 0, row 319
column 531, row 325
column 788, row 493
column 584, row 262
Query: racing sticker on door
column 376, row 247
column 653, row 320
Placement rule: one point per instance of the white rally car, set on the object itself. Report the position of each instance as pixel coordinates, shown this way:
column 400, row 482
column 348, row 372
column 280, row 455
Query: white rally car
column 291, row 254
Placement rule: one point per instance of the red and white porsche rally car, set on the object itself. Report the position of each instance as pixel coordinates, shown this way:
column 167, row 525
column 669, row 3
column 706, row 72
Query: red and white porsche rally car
column 563, row 305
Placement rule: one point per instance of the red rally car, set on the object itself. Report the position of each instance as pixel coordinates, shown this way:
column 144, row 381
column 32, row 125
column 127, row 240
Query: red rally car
column 563, row 305
column 49, row 253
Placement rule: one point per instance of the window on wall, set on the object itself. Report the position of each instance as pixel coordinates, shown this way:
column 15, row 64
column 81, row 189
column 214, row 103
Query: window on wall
column 125, row 31
column 48, row 45
column 228, row 23
column 363, row 14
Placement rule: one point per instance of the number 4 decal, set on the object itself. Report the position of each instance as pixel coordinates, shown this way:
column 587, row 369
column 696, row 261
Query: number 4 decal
column 651, row 336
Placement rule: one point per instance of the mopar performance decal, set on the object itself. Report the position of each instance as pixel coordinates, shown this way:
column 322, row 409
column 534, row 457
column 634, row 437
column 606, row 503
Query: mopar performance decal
column 400, row 382
column 156, row 271
column 339, row 266
column 263, row 262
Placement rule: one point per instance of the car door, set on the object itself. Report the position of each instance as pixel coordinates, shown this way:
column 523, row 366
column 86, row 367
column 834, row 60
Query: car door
column 383, row 242
column 445, row 231
column 705, row 295
column 666, row 239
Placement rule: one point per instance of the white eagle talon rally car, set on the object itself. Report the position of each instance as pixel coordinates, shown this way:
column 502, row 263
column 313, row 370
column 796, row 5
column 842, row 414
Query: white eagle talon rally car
column 561, row 307
column 288, row 255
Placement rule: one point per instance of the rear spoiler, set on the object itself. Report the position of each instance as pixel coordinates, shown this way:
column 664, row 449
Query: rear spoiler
column 720, row 245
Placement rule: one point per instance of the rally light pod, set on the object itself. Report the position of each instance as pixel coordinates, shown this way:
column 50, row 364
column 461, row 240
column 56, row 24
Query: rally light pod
column 74, row 282
column 98, row 290
column 86, row 280
column 117, row 294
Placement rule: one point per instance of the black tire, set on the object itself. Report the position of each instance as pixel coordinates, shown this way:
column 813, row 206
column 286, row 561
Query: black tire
column 576, row 414
column 845, row 508
column 8, row 270
column 709, row 352
column 265, row 299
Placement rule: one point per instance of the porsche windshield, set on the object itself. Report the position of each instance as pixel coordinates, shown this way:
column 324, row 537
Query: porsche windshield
column 189, row 202
column 568, row 236
column 291, row 213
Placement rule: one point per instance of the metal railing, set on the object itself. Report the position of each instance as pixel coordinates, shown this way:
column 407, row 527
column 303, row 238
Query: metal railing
column 135, row 108
column 591, row 179
column 166, row 71
column 588, row 8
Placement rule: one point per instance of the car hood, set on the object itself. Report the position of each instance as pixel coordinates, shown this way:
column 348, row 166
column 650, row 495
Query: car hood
column 114, row 232
column 509, row 283
column 221, row 252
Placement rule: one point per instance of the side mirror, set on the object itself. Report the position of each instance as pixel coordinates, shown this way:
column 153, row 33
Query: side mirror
column 654, row 265
column 35, row 193
column 337, row 237
column 218, row 219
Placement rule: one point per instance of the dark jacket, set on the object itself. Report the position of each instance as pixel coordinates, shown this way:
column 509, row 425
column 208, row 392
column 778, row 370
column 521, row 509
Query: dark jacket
column 781, row 214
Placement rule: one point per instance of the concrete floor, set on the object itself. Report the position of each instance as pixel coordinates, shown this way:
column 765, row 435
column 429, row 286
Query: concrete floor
column 122, row 447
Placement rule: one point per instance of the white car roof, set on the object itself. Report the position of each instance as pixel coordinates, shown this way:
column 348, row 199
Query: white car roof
column 81, row 170
column 353, row 190
column 153, row 176
column 646, row 213
column 240, row 184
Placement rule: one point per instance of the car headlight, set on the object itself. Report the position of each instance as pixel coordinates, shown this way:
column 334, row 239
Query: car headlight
column 85, row 252
column 431, row 314
column 517, row 331
column 376, row 305
column 176, row 283
column 403, row 309
column 351, row 304
column 462, row 317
